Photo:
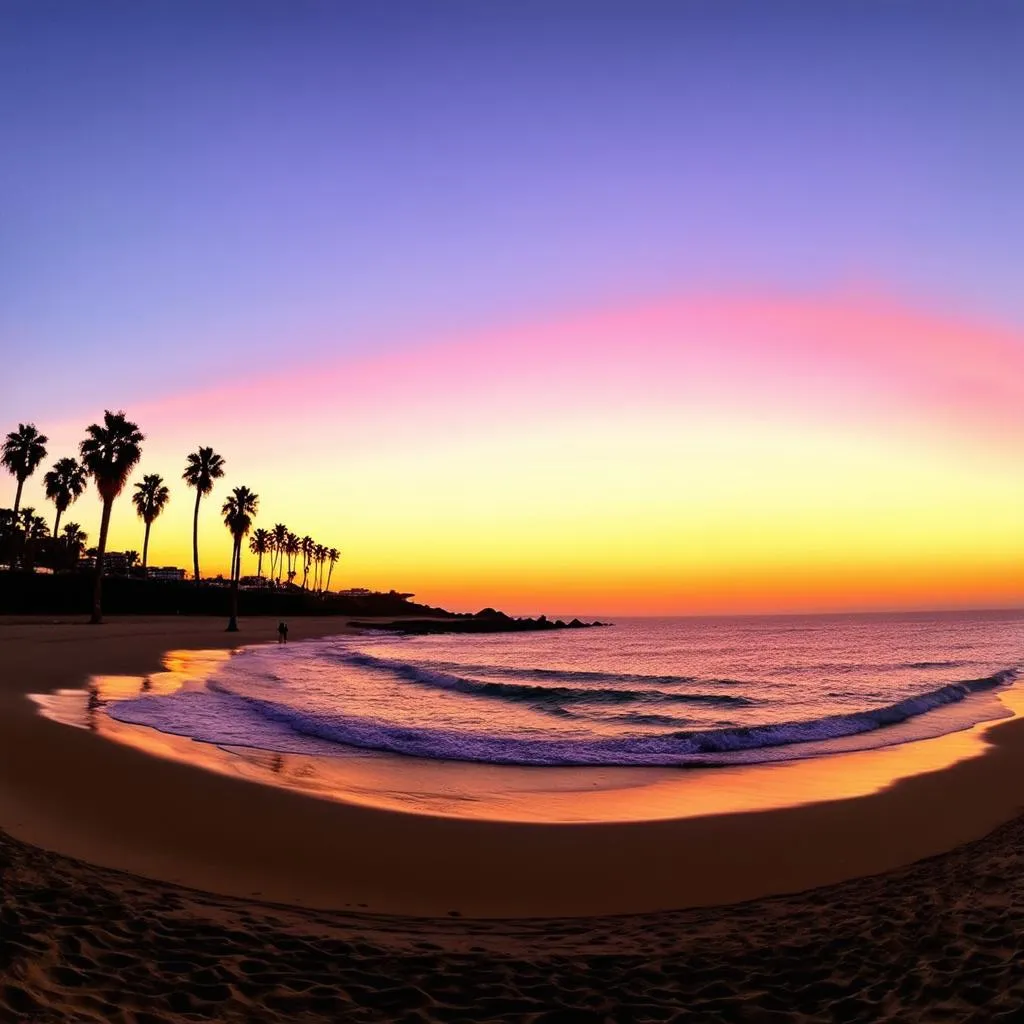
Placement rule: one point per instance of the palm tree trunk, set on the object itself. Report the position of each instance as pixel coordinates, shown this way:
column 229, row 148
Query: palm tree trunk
column 195, row 537
column 259, row 564
column 56, row 522
column 233, row 620
column 145, row 548
column 17, row 494
column 101, row 548
column 329, row 571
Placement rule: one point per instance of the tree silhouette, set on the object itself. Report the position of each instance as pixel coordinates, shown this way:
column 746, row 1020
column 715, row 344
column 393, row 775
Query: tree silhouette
column 238, row 511
column 21, row 454
column 64, row 485
column 259, row 545
column 280, row 535
column 73, row 541
column 307, row 546
column 109, row 453
column 292, row 546
column 149, row 498
column 320, row 554
column 34, row 530
column 332, row 556
column 202, row 467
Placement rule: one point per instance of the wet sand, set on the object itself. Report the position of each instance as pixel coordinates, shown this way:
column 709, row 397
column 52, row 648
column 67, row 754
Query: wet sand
column 937, row 940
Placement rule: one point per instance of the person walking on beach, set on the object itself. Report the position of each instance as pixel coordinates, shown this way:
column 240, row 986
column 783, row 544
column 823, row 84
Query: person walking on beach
column 282, row 632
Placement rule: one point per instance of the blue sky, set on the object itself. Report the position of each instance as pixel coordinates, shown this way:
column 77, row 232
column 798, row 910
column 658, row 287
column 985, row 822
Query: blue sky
column 215, row 188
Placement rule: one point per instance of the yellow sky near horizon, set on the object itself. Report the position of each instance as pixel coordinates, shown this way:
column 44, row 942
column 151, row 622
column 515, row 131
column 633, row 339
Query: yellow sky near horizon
column 674, row 511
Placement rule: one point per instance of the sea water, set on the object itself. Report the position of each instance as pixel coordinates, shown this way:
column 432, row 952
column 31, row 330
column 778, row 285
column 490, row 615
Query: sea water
column 655, row 692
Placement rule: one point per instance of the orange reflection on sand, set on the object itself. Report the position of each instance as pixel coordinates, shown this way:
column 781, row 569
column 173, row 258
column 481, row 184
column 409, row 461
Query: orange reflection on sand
column 510, row 793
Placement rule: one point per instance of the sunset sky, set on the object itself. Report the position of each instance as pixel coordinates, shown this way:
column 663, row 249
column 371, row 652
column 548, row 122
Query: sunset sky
column 595, row 308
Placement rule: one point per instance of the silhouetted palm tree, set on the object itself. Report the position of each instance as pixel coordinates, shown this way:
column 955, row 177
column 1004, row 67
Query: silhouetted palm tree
column 280, row 535
column 238, row 511
column 307, row 546
column 259, row 544
column 292, row 546
column 64, row 484
column 10, row 537
column 22, row 452
column 35, row 529
column 332, row 556
column 320, row 553
column 149, row 498
column 73, row 539
column 109, row 453
column 202, row 467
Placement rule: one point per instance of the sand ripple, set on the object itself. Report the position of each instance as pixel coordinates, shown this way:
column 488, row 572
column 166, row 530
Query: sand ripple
column 938, row 941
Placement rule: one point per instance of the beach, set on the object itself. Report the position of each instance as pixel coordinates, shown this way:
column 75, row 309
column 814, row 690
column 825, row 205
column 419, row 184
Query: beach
column 299, row 908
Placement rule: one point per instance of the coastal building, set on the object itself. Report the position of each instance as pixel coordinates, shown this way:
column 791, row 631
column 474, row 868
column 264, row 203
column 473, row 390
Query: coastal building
column 165, row 572
column 254, row 583
column 364, row 592
column 115, row 563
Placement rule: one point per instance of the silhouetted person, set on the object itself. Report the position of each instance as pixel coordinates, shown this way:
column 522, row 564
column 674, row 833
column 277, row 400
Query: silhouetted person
column 282, row 632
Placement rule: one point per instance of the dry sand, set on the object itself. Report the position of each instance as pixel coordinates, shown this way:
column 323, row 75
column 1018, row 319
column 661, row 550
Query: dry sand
column 938, row 940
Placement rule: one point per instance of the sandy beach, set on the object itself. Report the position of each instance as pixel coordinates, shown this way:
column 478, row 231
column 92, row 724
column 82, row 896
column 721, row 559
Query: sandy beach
column 300, row 908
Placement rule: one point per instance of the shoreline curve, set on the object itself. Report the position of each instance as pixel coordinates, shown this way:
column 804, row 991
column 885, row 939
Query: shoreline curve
column 72, row 792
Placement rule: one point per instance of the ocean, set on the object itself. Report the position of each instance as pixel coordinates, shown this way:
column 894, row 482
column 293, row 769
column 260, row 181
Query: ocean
column 651, row 692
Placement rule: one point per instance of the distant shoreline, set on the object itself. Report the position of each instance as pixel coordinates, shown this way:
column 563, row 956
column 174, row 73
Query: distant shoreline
column 68, row 594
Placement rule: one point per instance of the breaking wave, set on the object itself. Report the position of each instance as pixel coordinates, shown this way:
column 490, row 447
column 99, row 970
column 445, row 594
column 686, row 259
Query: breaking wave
column 539, row 694
column 678, row 747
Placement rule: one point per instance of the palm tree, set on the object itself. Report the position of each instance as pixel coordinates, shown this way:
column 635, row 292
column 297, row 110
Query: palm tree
column 150, row 497
column 73, row 538
column 35, row 529
column 259, row 544
column 292, row 546
column 202, row 467
column 280, row 535
column 320, row 553
column 10, row 537
column 332, row 556
column 238, row 511
column 109, row 453
column 306, row 546
column 22, row 452
column 64, row 486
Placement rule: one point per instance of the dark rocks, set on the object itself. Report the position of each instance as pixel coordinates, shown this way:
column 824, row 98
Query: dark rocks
column 486, row 621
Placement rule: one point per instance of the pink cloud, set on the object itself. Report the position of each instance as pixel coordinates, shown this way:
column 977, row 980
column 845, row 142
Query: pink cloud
column 861, row 360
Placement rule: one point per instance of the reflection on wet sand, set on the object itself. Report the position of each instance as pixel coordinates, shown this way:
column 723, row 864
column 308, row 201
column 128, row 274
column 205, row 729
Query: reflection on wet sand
column 511, row 793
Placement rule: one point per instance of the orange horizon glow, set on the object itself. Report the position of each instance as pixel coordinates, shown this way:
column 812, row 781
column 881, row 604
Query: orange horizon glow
column 683, row 457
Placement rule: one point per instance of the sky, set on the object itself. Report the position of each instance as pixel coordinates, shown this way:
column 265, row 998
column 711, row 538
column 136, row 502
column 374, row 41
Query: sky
column 632, row 307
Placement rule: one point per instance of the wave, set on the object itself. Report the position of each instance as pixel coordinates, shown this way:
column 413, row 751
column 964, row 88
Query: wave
column 675, row 748
column 542, row 695
column 570, row 675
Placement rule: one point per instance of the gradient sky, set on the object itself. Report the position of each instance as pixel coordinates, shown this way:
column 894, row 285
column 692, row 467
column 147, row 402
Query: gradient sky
column 568, row 307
